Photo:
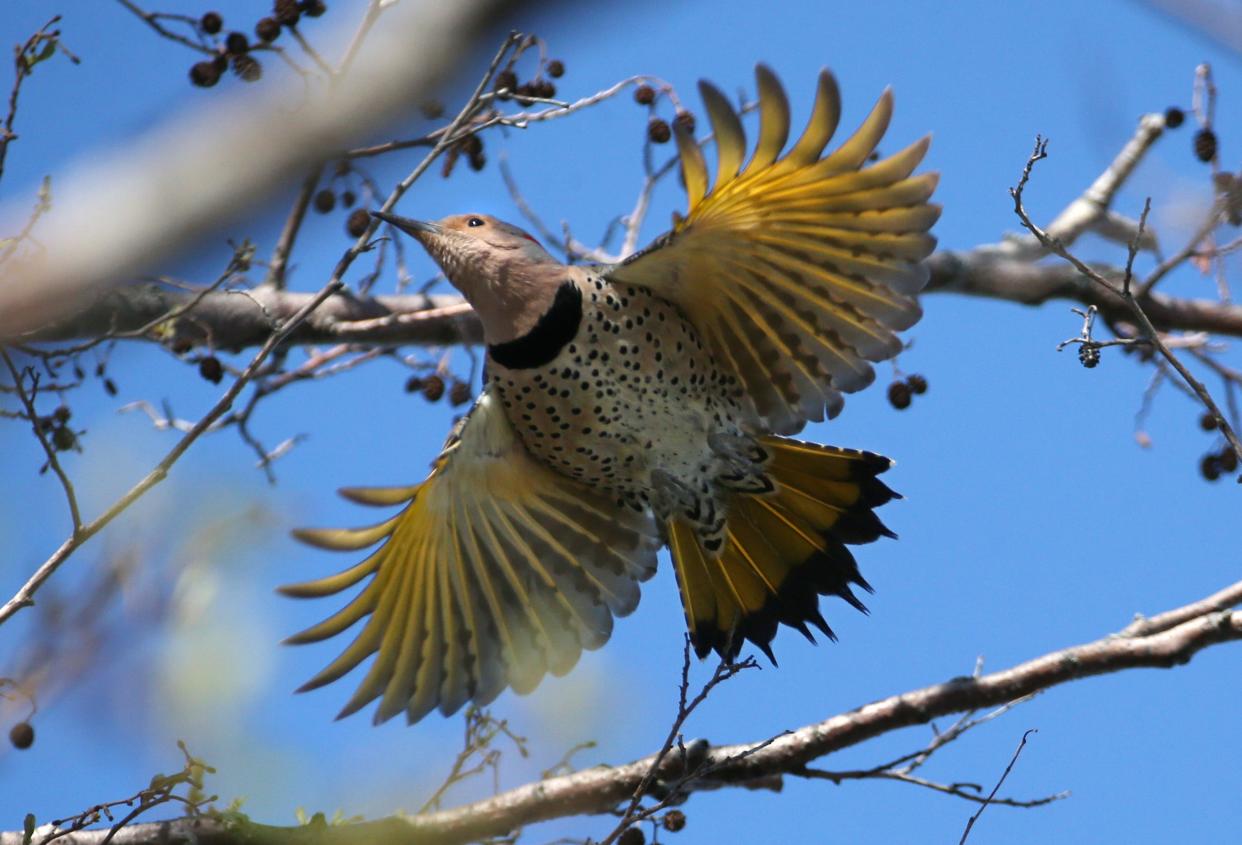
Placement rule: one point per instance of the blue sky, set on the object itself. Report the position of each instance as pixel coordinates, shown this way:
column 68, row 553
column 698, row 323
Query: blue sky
column 1032, row 520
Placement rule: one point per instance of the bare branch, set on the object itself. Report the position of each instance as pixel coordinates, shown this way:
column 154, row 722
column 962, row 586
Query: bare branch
column 1125, row 293
column 152, row 19
column 222, row 157
column 992, row 796
column 25, row 595
column 601, row 789
column 28, row 402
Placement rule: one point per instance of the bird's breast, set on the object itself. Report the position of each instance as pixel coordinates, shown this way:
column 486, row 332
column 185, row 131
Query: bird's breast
column 633, row 391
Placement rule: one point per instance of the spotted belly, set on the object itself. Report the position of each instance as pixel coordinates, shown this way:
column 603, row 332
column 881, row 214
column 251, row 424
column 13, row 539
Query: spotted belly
column 633, row 392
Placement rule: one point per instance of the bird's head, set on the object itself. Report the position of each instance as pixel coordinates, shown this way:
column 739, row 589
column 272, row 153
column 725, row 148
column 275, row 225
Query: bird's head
column 506, row 274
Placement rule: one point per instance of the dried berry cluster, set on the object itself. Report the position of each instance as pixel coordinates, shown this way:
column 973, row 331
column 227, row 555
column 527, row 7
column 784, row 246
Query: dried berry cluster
column 1204, row 143
column 658, row 129
column 901, row 393
column 1089, row 354
column 1220, row 462
column 508, row 87
column 326, row 199
column 672, row 821
column 56, row 427
column 234, row 49
column 432, row 388
column 472, row 148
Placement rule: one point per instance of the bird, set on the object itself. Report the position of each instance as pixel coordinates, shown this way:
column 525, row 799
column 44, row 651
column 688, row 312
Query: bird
column 645, row 404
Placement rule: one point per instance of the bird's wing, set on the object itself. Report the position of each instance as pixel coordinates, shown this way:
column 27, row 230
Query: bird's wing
column 495, row 572
column 797, row 269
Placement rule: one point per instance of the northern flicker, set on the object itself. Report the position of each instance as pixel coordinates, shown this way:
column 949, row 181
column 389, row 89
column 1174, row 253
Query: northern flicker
column 628, row 407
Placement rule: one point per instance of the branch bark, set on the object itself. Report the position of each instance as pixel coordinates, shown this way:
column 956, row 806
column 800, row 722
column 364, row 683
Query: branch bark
column 1167, row 640
column 235, row 320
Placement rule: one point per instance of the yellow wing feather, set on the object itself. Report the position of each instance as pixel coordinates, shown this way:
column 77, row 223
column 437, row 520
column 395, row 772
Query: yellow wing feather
column 496, row 572
column 798, row 270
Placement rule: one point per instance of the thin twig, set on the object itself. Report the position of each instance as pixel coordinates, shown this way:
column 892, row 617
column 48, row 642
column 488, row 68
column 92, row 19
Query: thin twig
column 992, row 795
column 1125, row 293
column 152, row 19
column 21, row 71
column 278, row 264
column 24, row 597
column 49, row 450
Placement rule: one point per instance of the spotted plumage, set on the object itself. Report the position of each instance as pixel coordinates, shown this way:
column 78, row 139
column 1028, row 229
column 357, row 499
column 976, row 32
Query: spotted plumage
column 641, row 405
column 633, row 392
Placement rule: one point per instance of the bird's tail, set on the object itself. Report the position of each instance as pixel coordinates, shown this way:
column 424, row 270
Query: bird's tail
column 783, row 549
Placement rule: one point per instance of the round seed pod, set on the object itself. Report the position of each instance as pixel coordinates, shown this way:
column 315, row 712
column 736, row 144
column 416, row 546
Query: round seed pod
column 1207, row 422
column 644, row 95
column 506, row 80
column 433, row 388
column 237, row 43
column 211, row 369
column 632, row 836
column 556, row 68
column 325, row 200
column 899, row 395
column 674, row 821
column 204, row 74
column 64, row 439
column 1227, row 459
column 287, row 12
column 658, row 131
column 917, row 384
column 1174, row 117
column 211, row 23
column 357, row 222
column 1209, row 466
column 21, row 735
column 685, row 120
column 1205, row 145
column 460, row 393
column 267, row 30
column 1089, row 355
column 247, row 68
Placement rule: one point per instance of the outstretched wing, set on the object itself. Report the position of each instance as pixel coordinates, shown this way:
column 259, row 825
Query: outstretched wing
column 495, row 572
column 797, row 269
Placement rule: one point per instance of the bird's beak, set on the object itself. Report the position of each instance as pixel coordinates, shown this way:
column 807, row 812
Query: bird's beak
column 414, row 228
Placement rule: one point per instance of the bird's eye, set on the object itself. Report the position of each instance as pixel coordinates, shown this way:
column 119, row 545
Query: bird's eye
column 475, row 221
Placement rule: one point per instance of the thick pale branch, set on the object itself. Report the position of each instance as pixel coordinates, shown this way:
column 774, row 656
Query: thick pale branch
column 117, row 215
column 1179, row 634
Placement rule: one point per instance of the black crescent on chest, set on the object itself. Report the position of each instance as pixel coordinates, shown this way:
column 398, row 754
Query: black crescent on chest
column 555, row 329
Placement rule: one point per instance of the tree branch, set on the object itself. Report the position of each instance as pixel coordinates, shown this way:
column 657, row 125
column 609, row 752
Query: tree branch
column 234, row 320
column 1164, row 641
